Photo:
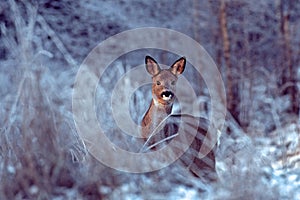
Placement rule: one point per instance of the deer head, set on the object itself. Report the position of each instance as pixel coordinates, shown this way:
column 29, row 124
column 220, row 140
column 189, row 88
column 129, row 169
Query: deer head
column 164, row 80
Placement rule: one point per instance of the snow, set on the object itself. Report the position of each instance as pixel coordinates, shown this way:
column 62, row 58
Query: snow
column 41, row 154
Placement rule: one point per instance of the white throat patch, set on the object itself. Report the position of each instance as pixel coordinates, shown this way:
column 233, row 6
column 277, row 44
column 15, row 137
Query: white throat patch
column 155, row 102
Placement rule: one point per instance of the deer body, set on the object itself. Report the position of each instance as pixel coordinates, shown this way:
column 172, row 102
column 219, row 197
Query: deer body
column 154, row 115
column 163, row 95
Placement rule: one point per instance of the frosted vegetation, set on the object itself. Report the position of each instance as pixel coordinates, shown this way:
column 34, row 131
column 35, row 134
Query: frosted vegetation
column 43, row 43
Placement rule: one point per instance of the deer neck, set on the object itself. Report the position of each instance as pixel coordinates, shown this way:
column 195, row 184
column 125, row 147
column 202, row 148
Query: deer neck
column 154, row 116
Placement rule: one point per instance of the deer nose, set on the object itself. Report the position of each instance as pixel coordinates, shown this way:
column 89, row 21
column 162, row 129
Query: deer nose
column 167, row 95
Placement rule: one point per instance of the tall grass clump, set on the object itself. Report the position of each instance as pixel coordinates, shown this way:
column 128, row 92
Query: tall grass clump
column 38, row 144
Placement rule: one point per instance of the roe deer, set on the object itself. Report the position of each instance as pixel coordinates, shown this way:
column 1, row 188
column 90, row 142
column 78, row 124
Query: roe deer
column 159, row 111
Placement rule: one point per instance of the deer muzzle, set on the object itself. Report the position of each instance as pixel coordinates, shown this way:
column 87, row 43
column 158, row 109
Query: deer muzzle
column 167, row 95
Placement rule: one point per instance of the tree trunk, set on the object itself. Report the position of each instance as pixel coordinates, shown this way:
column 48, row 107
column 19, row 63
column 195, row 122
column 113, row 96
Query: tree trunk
column 196, row 19
column 288, row 73
column 231, row 94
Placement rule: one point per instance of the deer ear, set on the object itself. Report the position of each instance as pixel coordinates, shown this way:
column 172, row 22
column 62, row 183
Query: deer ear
column 178, row 66
column 152, row 66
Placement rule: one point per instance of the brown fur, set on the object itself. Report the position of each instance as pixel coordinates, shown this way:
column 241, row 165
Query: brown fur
column 162, row 81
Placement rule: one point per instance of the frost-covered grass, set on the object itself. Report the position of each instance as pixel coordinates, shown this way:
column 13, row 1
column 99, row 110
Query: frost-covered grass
column 42, row 156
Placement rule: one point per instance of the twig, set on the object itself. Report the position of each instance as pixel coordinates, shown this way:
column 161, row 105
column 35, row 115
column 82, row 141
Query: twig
column 161, row 141
column 59, row 44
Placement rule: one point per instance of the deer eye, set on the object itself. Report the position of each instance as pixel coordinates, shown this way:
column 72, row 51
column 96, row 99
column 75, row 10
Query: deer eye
column 173, row 82
column 158, row 83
